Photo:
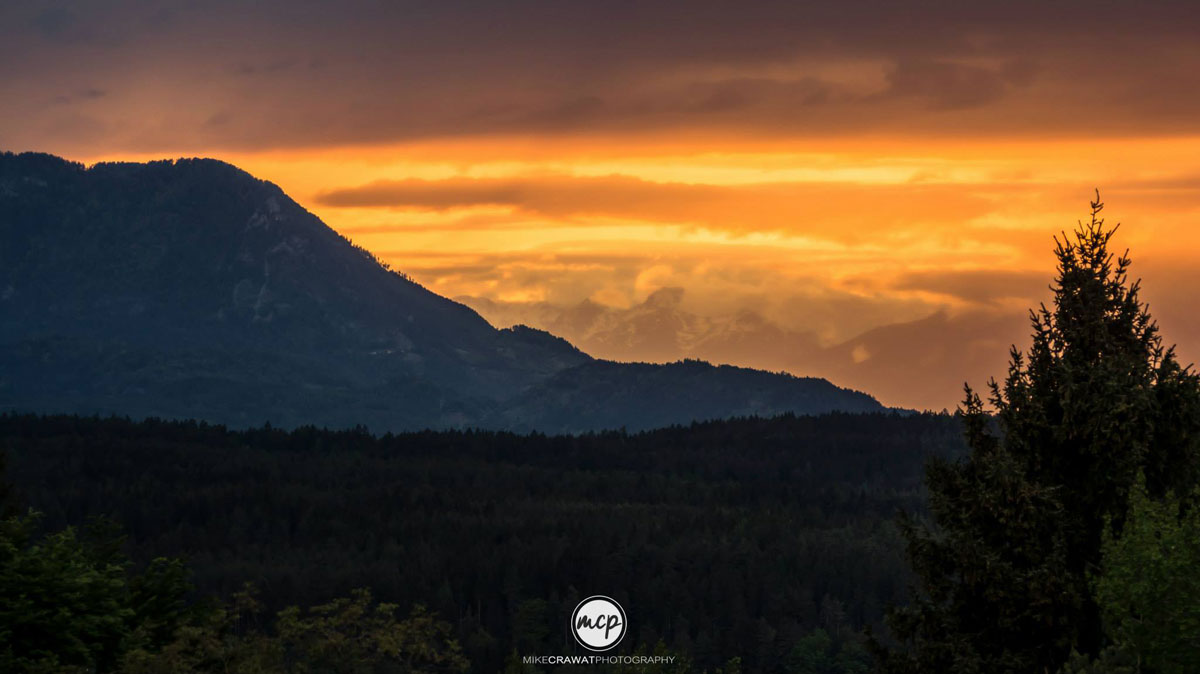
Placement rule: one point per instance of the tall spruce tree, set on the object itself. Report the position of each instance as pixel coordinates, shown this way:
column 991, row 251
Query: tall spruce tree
column 1017, row 525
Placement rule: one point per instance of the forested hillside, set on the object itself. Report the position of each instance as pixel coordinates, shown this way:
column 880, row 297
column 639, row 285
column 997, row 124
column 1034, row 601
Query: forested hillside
column 721, row 539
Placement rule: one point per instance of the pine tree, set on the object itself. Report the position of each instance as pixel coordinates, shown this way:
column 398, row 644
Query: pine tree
column 1018, row 524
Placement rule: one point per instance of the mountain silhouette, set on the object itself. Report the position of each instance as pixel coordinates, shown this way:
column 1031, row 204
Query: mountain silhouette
column 919, row 363
column 191, row 289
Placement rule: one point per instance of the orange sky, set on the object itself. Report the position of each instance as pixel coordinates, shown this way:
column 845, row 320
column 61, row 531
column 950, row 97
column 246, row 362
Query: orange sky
column 826, row 174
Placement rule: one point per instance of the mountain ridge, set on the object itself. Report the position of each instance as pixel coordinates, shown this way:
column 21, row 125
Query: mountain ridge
column 917, row 363
column 190, row 288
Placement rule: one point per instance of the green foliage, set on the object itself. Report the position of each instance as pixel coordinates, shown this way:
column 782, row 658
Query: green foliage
column 531, row 624
column 1149, row 584
column 818, row 653
column 853, row 658
column 1018, row 524
column 732, row 666
column 216, row 641
column 1112, row 660
column 682, row 664
column 349, row 635
column 69, row 604
column 60, row 605
column 158, row 600
column 811, row 655
column 354, row 635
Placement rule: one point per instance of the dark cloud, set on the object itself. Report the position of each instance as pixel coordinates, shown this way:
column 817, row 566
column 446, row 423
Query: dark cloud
column 549, row 195
column 265, row 68
column 87, row 94
column 950, row 86
column 855, row 210
column 414, row 70
column 979, row 286
column 52, row 22
column 555, row 257
column 744, row 93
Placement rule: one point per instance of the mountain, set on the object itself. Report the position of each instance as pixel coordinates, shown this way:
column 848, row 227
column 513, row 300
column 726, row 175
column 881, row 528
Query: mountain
column 191, row 289
column 638, row 396
column 659, row 329
column 920, row 363
column 928, row 359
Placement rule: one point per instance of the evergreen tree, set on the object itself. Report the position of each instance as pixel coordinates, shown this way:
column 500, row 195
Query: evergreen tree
column 1018, row 524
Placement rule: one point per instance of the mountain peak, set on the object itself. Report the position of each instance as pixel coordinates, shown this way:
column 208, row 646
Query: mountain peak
column 665, row 297
column 189, row 288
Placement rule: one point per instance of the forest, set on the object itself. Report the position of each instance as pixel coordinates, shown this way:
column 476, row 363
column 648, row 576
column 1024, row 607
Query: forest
column 714, row 536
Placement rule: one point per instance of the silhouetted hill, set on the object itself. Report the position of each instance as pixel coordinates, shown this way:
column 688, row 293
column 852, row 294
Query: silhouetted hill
column 916, row 363
column 191, row 289
column 604, row 394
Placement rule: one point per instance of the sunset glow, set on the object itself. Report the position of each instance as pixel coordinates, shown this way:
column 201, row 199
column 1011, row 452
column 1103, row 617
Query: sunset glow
column 824, row 178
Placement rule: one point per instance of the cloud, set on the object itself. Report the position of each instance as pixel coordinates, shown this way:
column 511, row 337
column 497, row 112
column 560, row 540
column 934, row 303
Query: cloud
column 978, row 286
column 797, row 208
column 52, row 22
column 81, row 95
column 392, row 73
column 954, row 86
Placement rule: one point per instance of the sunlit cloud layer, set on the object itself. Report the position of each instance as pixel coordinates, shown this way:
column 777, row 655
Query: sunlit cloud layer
column 865, row 177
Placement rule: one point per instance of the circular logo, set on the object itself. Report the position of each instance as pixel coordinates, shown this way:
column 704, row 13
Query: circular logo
column 598, row 623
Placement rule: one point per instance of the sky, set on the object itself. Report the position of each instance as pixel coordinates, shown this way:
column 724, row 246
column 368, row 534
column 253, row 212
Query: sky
column 866, row 179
